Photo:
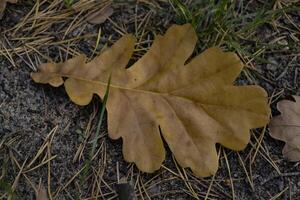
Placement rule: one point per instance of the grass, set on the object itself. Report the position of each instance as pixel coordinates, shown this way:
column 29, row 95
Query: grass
column 69, row 3
column 56, row 30
column 94, row 142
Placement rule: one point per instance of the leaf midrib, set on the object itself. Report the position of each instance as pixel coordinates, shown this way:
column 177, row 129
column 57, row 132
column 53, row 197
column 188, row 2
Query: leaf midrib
column 156, row 93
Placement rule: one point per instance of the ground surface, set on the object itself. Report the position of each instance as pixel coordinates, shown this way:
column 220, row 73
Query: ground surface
column 44, row 137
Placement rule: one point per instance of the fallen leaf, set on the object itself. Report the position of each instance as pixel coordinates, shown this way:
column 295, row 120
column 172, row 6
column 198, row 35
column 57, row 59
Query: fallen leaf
column 192, row 106
column 286, row 127
column 3, row 5
column 100, row 16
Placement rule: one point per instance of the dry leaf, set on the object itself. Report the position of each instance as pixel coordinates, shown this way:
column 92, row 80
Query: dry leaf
column 100, row 16
column 194, row 105
column 3, row 5
column 286, row 127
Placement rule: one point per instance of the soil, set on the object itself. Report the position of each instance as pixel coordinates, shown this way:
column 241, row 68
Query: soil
column 30, row 111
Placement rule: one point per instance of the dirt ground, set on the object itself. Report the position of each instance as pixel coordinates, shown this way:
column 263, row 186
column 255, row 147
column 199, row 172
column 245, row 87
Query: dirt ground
column 44, row 137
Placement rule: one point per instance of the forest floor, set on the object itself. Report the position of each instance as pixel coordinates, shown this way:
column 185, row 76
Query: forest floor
column 45, row 138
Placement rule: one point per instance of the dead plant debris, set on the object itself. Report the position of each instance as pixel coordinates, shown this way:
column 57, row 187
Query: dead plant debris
column 264, row 34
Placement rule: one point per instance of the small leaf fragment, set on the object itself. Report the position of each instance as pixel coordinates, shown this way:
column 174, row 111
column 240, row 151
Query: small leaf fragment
column 100, row 16
column 194, row 104
column 3, row 5
column 41, row 193
column 286, row 127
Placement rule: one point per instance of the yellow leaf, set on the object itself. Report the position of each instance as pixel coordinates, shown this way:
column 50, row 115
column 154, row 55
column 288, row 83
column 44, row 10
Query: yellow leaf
column 195, row 105
column 286, row 127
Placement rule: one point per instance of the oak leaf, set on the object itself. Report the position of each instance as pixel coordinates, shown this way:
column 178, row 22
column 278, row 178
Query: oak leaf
column 286, row 127
column 192, row 106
